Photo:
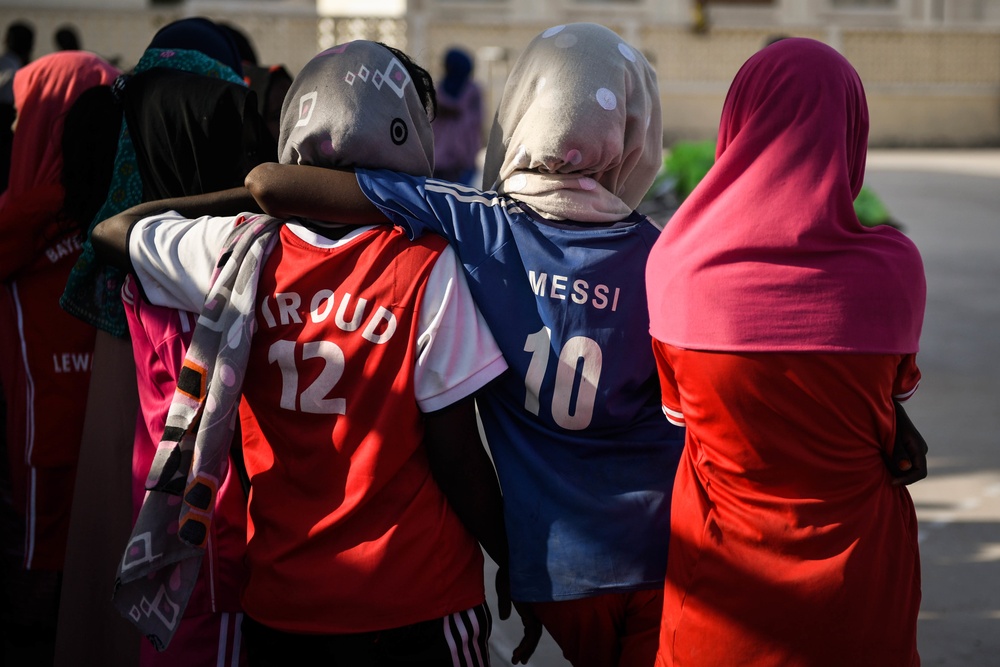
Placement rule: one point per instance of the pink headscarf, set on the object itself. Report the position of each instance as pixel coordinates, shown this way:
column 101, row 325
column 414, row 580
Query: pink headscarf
column 767, row 253
column 44, row 91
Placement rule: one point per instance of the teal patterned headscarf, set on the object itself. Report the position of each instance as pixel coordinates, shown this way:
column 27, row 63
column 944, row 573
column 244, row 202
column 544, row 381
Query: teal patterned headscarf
column 93, row 291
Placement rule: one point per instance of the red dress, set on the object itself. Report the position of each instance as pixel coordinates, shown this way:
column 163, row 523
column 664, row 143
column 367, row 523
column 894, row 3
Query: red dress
column 786, row 532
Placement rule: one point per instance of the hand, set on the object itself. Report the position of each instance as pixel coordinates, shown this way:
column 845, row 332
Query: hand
column 532, row 634
column 908, row 463
column 503, row 592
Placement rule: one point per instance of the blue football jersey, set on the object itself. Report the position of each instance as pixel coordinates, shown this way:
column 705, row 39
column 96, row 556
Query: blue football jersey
column 585, row 457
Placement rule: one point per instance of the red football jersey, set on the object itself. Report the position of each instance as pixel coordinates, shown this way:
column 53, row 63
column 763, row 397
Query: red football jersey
column 348, row 530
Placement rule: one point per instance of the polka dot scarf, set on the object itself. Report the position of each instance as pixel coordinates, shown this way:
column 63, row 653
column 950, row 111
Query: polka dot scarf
column 578, row 133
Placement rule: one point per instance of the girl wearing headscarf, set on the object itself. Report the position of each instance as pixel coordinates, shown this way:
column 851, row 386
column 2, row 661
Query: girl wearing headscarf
column 555, row 257
column 90, row 629
column 357, row 354
column 201, row 140
column 45, row 355
column 786, row 333
column 458, row 125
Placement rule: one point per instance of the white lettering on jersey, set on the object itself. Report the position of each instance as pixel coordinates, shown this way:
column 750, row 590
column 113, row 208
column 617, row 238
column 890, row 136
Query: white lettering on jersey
column 71, row 362
column 599, row 296
column 63, row 248
column 380, row 326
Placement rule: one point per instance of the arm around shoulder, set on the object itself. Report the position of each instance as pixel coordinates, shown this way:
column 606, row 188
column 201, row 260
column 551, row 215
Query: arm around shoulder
column 110, row 236
column 317, row 193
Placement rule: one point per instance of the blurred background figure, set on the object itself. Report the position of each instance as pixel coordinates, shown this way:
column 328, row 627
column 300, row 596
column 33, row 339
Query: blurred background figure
column 458, row 126
column 270, row 82
column 66, row 38
column 62, row 155
column 90, row 630
column 18, row 43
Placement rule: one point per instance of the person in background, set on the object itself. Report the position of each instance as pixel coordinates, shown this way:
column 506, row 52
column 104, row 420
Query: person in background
column 66, row 38
column 458, row 126
column 18, row 43
column 91, row 631
column 555, row 255
column 786, row 333
column 62, row 154
column 192, row 134
column 271, row 83
column 357, row 354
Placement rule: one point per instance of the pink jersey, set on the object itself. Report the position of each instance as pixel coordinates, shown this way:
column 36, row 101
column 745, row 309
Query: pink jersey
column 350, row 532
column 160, row 337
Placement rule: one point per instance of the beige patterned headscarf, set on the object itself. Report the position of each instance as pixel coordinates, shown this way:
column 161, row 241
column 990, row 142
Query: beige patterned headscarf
column 578, row 133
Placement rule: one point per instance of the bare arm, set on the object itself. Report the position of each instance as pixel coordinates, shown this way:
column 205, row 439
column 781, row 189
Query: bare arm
column 110, row 236
column 330, row 195
column 463, row 470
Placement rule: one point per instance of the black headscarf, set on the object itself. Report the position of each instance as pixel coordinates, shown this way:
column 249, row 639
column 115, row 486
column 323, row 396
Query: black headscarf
column 200, row 34
column 192, row 133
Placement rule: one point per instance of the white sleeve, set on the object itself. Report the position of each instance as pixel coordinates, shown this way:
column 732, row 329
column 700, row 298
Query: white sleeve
column 456, row 353
column 174, row 257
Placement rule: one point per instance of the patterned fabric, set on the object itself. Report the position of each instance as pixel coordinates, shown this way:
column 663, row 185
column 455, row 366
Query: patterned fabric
column 580, row 135
column 192, row 459
column 93, row 291
column 767, row 253
column 318, row 128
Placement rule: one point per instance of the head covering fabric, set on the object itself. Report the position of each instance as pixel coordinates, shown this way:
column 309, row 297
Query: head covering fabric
column 767, row 253
column 202, row 140
column 44, row 91
column 342, row 113
column 200, row 34
column 93, row 291
column 578, row 132
column 355, row 105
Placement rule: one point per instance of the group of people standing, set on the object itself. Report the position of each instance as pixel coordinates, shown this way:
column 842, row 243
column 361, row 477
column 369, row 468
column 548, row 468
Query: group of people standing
column 692, row 448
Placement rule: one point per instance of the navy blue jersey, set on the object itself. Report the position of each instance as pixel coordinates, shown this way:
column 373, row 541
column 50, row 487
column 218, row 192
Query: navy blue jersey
column 584, row 454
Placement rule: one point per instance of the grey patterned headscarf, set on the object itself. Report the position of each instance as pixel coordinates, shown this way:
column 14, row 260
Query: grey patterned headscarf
column 353, row 105
column 578, row 133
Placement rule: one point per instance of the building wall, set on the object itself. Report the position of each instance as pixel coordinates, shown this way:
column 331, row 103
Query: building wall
column 929, row 83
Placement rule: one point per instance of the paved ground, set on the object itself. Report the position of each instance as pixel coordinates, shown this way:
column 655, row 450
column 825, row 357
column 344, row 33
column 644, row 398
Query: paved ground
column 949, row 203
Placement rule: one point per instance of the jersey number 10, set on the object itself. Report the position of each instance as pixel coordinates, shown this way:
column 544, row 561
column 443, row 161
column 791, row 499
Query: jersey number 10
column 578, row 371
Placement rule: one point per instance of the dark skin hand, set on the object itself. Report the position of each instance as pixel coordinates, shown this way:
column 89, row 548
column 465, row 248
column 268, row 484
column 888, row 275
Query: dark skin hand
column 908, row 463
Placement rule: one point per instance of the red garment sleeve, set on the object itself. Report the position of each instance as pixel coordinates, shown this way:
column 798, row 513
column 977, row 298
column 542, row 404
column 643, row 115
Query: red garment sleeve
column 907, row 378
column 669, row 393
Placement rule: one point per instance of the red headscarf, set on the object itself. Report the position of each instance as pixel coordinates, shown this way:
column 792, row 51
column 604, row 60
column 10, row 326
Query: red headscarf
column 767, row 253
column 44, row 91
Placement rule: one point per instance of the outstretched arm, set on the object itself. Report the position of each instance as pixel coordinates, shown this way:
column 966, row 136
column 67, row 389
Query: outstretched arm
column 463, row 470
column 318, row 193
column 110, row 236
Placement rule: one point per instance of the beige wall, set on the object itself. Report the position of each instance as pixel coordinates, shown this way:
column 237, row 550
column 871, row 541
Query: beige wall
column 936, row 86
